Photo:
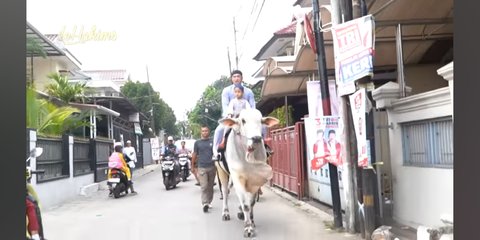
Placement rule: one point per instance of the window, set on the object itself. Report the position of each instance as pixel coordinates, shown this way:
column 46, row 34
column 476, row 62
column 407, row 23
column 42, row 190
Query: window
column 428, row 143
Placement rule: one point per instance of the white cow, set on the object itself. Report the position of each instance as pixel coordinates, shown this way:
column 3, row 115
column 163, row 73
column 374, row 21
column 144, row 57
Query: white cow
column 245, row 164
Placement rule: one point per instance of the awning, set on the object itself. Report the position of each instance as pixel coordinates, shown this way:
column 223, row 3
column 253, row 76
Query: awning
column 288, row 84
column 97, row 108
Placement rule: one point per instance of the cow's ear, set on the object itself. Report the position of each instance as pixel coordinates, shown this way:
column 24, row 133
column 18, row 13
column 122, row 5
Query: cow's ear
column 227, row 122
column 270, row 121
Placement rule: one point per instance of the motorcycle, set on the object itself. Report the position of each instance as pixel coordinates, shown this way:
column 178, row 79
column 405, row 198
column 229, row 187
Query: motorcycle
column 170, row 172
column 32, row 197
column 184, row 161
column 117, row 183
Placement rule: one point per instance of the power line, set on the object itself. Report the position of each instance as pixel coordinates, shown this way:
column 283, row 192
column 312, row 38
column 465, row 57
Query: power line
column 249, row 18
column 255, row 24
column 261, row 8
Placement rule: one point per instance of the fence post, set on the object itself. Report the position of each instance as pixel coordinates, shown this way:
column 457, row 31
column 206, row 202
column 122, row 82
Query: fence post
column 93, row 157
column 70, row 156
column 32, row 144
column 65, row 155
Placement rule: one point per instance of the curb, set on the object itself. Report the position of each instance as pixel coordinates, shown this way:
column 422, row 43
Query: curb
column 88, row 190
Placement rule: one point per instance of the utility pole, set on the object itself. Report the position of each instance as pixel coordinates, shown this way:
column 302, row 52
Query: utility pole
column 229, row 61
column 361, row 180
column 348, row 164
column 235, row 36
column 151, row 103
column 324, row 90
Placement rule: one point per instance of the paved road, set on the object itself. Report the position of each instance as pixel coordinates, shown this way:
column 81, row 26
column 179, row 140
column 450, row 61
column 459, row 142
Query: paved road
column 177, row 214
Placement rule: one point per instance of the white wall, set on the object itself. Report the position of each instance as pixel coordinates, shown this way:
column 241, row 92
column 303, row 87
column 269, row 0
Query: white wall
column 420, row 195
column 42, row 67
column 54, row 193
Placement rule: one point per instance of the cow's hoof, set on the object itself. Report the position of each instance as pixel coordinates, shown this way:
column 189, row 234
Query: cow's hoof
column 241, row 216
column 248, row 232
column 226, row 217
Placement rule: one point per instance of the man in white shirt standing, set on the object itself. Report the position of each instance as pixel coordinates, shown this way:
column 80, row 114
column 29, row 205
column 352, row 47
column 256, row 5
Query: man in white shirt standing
column 130, row 155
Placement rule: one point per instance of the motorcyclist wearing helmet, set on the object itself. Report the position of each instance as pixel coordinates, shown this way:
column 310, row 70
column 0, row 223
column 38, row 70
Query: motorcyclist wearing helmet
column 171, row 148
column 117, row 155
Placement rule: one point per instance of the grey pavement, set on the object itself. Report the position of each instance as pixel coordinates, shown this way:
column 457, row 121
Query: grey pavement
column 177, row 214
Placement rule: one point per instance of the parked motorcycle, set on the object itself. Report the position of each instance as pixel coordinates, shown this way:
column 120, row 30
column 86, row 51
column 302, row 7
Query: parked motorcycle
column 184, row 161
column 117, row 183
column 32, row 197
column 170, row 172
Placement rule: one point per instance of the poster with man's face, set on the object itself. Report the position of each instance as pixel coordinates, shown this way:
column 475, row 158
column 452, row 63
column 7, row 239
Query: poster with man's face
column 323, row 146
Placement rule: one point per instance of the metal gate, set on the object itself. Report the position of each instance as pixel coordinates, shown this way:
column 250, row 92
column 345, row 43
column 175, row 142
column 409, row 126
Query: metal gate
column 287, row 160
column 147, row 152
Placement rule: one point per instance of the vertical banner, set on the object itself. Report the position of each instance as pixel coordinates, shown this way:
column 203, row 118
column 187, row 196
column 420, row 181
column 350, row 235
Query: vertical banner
column 314, row 98
column 358, row 104
column 323, row 143
column 155, row 145
column 353, row 44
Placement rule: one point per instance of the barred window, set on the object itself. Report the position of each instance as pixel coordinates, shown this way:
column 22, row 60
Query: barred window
column 428, row 143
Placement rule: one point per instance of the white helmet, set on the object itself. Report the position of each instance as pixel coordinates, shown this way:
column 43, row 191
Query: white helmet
column 170, row 138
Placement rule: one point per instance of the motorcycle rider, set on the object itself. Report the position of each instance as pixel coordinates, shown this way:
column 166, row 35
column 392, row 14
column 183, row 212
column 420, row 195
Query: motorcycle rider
column 118, row 155
column 33, row 227
column 171, row 150
column 32, row 221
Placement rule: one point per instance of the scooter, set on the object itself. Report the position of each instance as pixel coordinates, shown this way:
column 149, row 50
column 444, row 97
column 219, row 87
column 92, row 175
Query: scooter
column 117, row 183
column 184, row 161
column 170, row 172
column 32, row 197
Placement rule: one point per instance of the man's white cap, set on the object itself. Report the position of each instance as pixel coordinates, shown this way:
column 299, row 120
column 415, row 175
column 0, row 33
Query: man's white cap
column 170, row 138
column 129, row 141
column 117, row 144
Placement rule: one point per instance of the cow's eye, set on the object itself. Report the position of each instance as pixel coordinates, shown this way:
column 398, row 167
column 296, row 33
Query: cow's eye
column 243, row 121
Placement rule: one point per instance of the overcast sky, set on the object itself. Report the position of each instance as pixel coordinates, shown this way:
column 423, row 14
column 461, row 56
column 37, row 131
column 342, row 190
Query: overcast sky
column 184, row 43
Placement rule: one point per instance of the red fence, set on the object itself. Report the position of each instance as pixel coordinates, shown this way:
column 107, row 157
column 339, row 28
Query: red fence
column 287, row 160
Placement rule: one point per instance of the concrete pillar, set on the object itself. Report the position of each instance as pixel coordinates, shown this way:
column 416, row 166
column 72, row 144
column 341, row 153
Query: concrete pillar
column 447, row 73
column 33, row 145
column 70, row 155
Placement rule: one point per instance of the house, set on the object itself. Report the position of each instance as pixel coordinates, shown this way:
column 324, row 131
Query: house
column 412, row 120
column 58, row 59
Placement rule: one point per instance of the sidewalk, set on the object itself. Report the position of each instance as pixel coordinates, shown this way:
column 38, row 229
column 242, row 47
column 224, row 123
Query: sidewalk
column 326, row 213
column 326, row 218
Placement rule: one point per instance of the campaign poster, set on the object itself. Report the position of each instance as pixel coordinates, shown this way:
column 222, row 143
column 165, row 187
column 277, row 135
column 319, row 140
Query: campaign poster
column 323, row 143
column 314, row 98
column 354, row 48
column 358, row 104
column 155, row 145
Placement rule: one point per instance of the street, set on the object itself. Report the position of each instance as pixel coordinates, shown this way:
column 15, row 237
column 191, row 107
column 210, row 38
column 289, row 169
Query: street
column 159, row 214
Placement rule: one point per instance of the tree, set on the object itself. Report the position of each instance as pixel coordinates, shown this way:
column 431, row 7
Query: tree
column 279, row 113
column 33, row 48
column 50, row 120
column 145, row 98
column 64, row 90
column 208, row 109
